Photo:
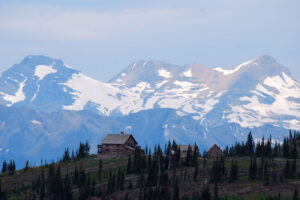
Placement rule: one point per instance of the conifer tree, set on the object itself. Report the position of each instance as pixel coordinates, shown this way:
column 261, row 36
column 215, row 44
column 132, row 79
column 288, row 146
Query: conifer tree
column 67, row 189
column 42, row 189
column 26, row 166
column 287, row 170
column 261, row 167
column 274, row 174
column 195, row 156
column 76, row 176
column 100, row 168
column 1, row 193
column 196, row 171
column 216, row 192
column 205, row 193
column 188, row 156
column 4, row 167
column 130, row 186
column 295, row 197
column 249, row 145
column 126, row 196
column 250, row 170
column 286, row 150
column 294, row 167
column 129, row 165
column 266, row 174
column 176, row 190
column 233, row 171
column 294, row 149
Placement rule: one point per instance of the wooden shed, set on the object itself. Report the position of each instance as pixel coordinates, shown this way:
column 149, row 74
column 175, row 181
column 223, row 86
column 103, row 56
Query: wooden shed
column 118, row 145
column 184, row 149
column 214, row 152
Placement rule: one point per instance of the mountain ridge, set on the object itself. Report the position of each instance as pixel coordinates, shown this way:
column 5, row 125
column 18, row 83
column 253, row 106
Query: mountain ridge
column 46, row 102
column 142, row 85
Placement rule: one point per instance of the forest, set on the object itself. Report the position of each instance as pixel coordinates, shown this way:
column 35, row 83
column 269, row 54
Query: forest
column 247, row 170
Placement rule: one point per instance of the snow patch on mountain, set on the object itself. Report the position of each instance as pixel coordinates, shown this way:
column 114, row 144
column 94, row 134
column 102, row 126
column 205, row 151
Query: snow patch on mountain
column 278, row 90
column 292, row 124
column 35, row 94
column 86, row 89
column 158, row 85
column 36, row 122
column 184, row 84
column 188, row 73
column 164, row 73
column 232, row 71
column 133, row 66
column 43, row 70
column 18, row 96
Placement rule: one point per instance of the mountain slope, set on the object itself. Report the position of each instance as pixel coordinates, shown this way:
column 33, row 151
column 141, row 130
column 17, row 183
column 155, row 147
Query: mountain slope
column 45, row 105
column 256, row 92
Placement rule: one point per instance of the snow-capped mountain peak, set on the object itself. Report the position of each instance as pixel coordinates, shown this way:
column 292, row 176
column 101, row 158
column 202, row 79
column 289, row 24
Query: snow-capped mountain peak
column 246, row 94
column 263, row 59
column 45, row 105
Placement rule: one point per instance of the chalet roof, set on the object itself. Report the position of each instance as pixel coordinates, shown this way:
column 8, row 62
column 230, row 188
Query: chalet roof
column 117, row 138
column 214, row 146
column 186, row 147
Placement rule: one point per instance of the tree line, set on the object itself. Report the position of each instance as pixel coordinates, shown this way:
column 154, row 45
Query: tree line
column 265, row 148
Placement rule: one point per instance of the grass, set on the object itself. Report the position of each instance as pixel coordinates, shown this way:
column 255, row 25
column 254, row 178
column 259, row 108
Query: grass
column 243, row 188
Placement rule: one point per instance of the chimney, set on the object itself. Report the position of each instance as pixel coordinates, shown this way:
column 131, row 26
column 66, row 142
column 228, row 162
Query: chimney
column 122, row 133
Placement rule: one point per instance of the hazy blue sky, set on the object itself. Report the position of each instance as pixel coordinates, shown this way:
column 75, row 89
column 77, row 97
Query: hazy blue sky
column 101, row 37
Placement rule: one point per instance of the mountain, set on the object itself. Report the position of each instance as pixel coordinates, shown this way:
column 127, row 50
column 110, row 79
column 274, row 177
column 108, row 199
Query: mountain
column 45, row 105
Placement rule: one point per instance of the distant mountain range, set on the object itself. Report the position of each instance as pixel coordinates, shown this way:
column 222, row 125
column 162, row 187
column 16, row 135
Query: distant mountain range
column 46, row 105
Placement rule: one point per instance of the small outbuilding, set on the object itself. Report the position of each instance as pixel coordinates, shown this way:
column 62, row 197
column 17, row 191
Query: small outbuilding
column 184, row 149
column 118, row 145
column 214, row 152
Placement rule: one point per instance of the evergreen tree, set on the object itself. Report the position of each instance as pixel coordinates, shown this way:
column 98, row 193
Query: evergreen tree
column 4, row 167
column 216, row 192
column 176, row 190
column 294, row 167
column 233, row 171
column 126, row 196
column 274, row 174
column 67, row 189
column 66, row 156
column 226, row 151
column 286, row 150
column 295, row 197
column 195, row 156
column 42, row 189
column 188, row 156
column 130, row 186
column 266, row 174
column 1, row 193
column 196, row 171
column 26, row 166
column 129, row 165
column 205, row 193
column 287, row 170
column 294, row 149
column 261, row 167
column 249, row 145
column 252, row 169
column 83, row 150
column 76, row 176
column 100, row 168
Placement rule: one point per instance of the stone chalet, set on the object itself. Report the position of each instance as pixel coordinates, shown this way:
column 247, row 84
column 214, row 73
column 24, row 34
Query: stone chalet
column 214, row 152
column 184, row 149
column 118, row 145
